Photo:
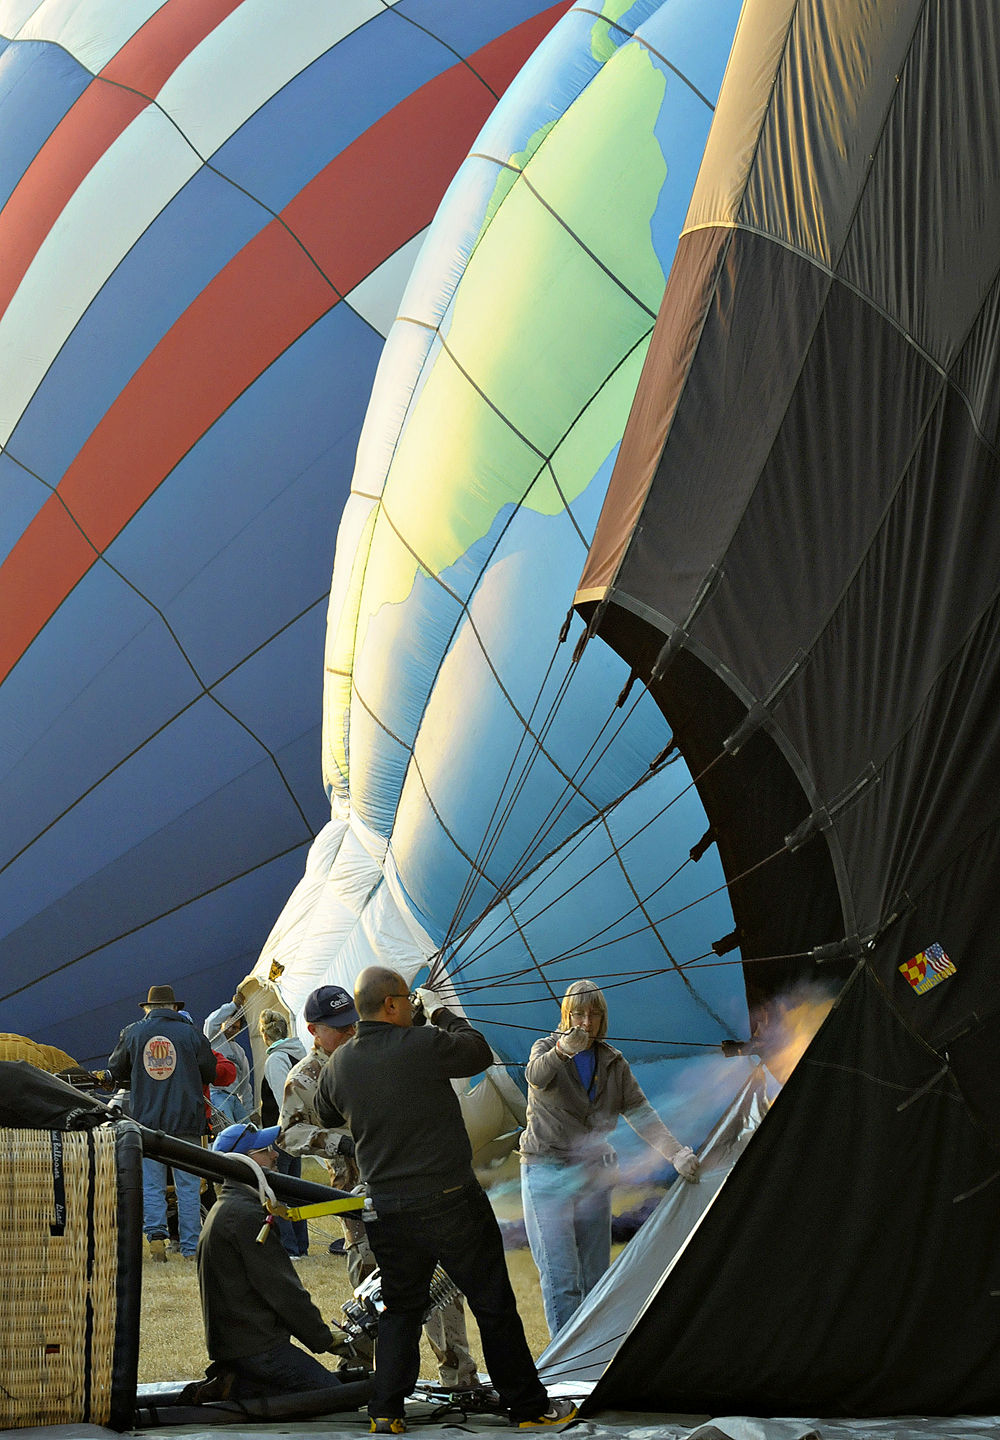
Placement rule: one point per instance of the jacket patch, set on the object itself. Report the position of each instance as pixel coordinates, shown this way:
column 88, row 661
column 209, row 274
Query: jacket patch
column 159, row 1058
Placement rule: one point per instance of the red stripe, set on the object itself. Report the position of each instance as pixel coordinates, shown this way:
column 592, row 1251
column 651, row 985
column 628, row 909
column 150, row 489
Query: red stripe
column 500, row 61
column 373, row 197
column 390, row 179
column 254, row 309
column 91, row 126
column 396, row 172
column 154, row 52
column 74, row 147
column 37, row 576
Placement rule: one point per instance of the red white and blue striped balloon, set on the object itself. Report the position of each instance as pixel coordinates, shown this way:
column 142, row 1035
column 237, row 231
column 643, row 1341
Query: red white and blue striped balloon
column 208, row 210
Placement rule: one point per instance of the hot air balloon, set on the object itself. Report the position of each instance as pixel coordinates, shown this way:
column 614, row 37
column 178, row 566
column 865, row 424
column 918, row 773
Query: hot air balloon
column 207, row 214
column 798, row 555
column 499, row 821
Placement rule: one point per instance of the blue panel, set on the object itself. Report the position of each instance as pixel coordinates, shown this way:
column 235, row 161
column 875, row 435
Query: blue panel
column 416, row 633
column 39, row 82
column 139, row 682
column 194, row 851
column 259, row 693
column 21, row 498
column 99, row 619
column 203, row 753
column 468, row 27
column 301, row 764
column 192, row 239
column 318, row 114
column 252, row 510
column 687, row 33
column 203, row 945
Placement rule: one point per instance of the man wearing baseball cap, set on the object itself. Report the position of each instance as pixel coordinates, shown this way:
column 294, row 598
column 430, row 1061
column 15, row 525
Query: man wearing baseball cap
column 330, row 1018
column 164, row 1063
column 252, row 1299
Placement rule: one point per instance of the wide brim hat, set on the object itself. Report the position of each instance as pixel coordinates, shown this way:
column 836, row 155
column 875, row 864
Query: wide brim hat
column 162, row 995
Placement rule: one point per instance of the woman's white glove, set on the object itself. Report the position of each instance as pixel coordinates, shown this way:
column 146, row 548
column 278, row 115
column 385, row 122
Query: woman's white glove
column 687, row 1164
column 571, row 1042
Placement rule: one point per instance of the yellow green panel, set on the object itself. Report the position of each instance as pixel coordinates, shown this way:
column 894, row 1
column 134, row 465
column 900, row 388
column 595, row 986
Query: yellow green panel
column 341, row 637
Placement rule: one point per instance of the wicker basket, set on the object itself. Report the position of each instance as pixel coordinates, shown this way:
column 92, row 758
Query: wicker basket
column 71, row 1203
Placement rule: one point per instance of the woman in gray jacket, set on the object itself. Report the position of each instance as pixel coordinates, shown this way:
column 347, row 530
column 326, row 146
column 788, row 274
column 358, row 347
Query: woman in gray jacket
column 578, row 1085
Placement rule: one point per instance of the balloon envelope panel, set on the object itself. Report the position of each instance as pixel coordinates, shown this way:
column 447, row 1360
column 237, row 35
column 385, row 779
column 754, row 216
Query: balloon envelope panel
column 498, row 770
column 207, row 212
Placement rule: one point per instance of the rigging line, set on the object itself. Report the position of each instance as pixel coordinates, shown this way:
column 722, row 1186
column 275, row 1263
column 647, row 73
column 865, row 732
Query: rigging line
column 567, row 510
column 569, row 785
column 524, row 940
column 609, row 979
column 573, row 784
column 543, row 831
column 564, row 850
column 682, row 1046
column 485, row 851
column 608, row 982
column 463, row 610
column 701, row 898
column 704, row 963
column 587, row 945
column 462, row 907
column 565, row 853
column 154, row 919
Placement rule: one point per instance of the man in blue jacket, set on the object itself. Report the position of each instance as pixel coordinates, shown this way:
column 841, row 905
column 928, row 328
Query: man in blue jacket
column 165, row 1063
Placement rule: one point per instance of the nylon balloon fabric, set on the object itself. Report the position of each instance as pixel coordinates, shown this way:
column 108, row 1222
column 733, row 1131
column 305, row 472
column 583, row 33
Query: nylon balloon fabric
column 496, row 813
column 208, row 211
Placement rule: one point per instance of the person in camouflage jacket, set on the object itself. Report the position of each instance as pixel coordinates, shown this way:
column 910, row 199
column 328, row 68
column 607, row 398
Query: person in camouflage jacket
column 331, row 1019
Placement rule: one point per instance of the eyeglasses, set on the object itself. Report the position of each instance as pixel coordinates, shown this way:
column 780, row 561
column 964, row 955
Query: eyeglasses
column 405, row 996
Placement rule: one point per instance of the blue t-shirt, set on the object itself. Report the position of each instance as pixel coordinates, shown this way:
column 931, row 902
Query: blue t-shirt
column 586, row 1064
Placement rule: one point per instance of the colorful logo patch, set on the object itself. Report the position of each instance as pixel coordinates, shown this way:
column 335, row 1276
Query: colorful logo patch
column 159, row 1058
column 927, row 968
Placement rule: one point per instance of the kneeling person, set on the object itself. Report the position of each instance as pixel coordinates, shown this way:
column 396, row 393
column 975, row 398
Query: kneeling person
column 252, row 1300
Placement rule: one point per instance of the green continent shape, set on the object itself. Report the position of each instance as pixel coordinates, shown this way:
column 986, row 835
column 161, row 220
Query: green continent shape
column 550, row 306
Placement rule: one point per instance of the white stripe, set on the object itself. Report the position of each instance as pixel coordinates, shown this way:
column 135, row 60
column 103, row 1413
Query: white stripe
column 237, row 67
column 13, row 14
column 249, row 57
column 92, row 32
column 115, row 203
column 377, row 297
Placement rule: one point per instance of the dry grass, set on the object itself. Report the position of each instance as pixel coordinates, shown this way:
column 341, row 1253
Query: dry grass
column 171, row 1339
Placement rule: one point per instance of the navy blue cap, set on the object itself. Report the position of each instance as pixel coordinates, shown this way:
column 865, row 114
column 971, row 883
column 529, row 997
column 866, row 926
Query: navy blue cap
column 330, row 1005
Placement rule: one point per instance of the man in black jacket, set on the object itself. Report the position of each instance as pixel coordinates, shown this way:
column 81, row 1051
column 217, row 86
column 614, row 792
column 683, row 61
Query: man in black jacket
column 252, row 1300
column 165, row 1063
column 391, row 1085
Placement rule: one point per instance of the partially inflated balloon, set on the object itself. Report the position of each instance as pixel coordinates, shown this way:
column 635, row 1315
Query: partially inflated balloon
column 208, row 210
column 491, row 799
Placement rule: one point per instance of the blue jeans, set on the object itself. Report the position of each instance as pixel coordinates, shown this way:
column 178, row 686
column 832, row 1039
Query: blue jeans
column 187, row 1190
column 294, row 1234
column 567, row 1214
column 459, row 1231
column 282, row 1370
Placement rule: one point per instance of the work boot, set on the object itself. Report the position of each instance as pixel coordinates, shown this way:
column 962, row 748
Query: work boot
column 387, row 1426
column 158, row 1248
